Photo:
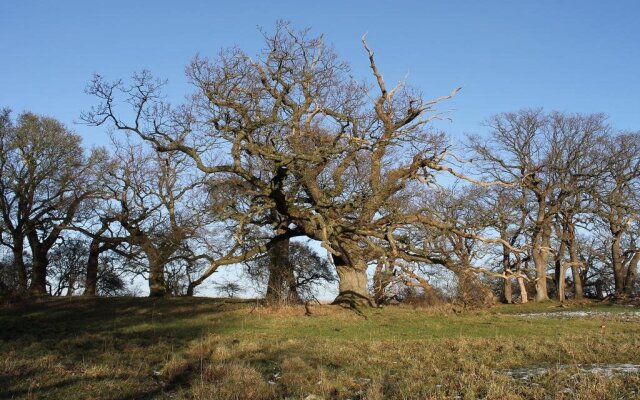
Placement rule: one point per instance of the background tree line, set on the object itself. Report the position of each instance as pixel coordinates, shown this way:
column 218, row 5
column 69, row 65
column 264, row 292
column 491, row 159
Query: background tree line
column 289, row 144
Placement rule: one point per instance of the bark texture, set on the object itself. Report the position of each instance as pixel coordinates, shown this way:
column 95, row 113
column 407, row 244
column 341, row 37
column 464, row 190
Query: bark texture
column 91, row 277
column 353, row 287
column 281, row 286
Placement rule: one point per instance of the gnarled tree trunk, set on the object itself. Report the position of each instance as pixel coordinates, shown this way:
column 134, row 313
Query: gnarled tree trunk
column 617, row 263
column 507, row 292
column 524, row 295
column 353, row 289
column 560, row 269
column 39, row 272
column 91, row 278
column 157, row 285
column 578, row 289
column 632, row 273
column 540, row 254
column 281, row 286
column 18, row 262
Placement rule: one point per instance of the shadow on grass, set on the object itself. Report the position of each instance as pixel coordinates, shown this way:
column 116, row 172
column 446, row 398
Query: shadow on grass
column 60, row 318
column 53, row 342
column 42, row 390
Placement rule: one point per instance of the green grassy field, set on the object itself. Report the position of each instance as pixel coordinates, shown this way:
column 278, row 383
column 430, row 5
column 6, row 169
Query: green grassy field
column 138, row 348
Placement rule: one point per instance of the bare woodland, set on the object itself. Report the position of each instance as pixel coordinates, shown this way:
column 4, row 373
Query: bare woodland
column 274, row 149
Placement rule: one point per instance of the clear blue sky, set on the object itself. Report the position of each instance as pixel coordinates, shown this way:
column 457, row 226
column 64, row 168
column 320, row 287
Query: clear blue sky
column 568, row 55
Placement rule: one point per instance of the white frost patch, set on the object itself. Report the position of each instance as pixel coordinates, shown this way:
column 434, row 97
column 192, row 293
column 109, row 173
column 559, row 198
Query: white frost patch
column 600, row 369
column 580, row 314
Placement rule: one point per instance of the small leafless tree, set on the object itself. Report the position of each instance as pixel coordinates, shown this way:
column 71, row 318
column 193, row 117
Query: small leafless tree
column 230, row 289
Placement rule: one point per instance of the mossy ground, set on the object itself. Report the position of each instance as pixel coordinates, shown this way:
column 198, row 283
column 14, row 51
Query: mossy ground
column 137, row 348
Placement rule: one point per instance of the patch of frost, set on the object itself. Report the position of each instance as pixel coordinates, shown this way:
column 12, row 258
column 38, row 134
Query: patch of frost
column 600, row 369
